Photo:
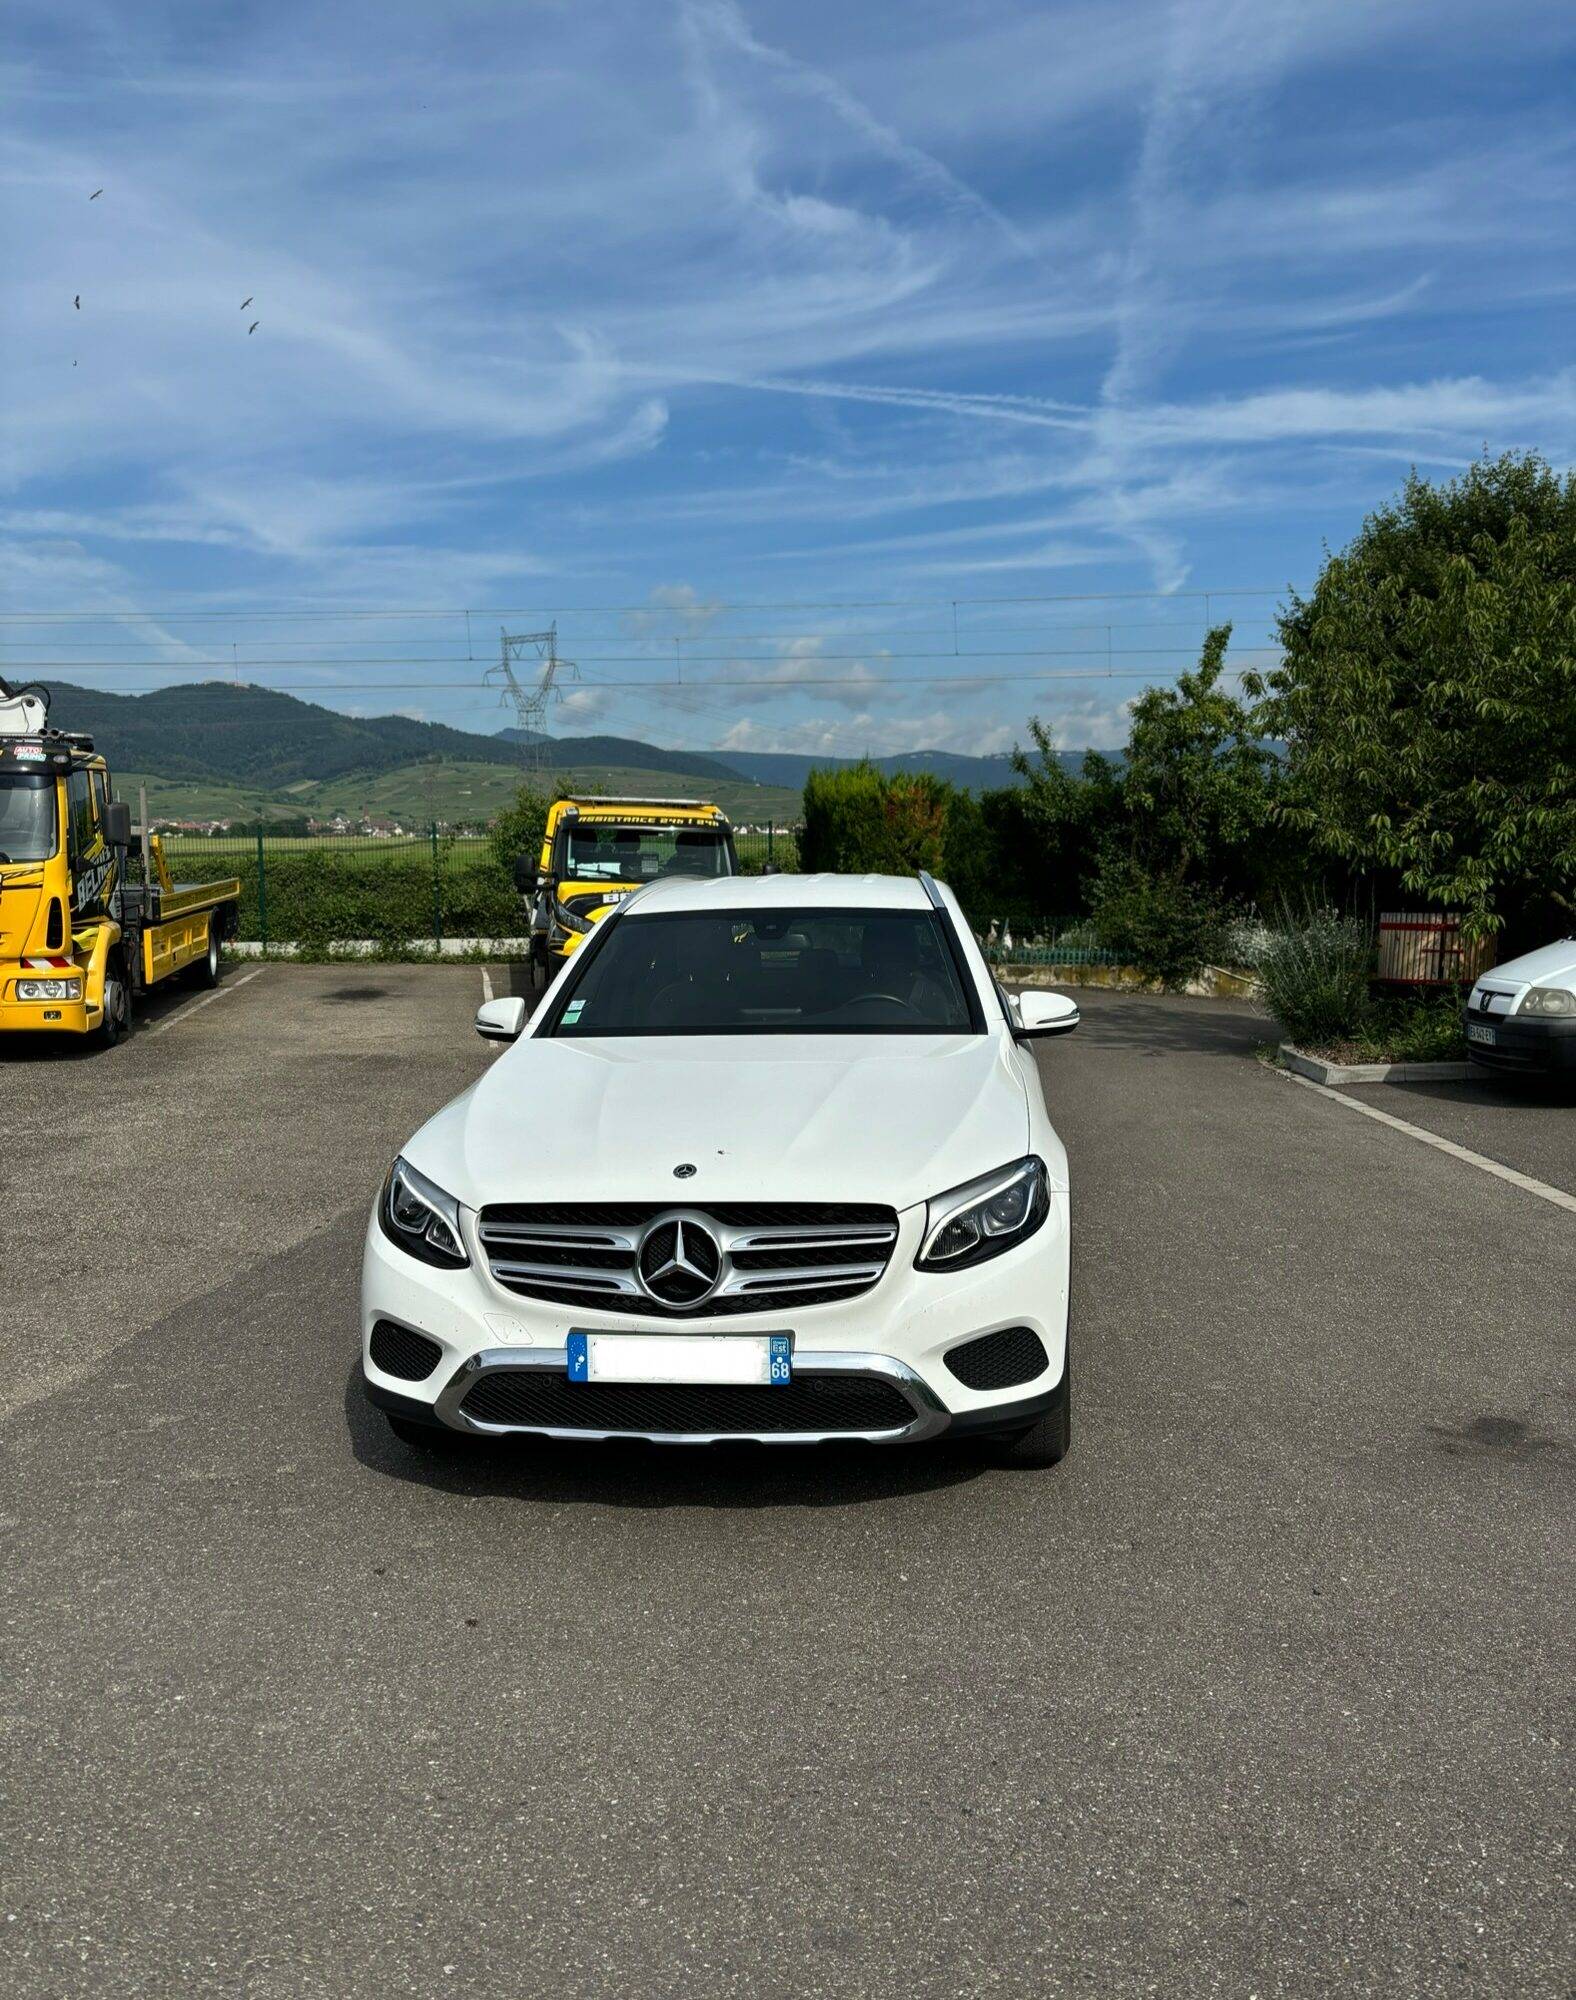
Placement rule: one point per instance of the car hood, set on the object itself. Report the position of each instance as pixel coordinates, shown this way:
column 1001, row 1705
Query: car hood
column 780, row 1118
column 1553, row 965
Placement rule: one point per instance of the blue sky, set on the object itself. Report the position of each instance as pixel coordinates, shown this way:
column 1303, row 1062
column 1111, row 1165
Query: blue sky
column 899, row 369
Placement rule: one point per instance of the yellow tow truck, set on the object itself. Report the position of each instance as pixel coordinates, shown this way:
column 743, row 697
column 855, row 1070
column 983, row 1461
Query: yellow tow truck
column 80, row 939
column 596, row 851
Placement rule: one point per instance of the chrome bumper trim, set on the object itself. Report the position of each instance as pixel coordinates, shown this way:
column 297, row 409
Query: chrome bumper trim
column 930, row 1414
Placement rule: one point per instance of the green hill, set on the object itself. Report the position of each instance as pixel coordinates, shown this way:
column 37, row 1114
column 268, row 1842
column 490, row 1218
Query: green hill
column 218, row 750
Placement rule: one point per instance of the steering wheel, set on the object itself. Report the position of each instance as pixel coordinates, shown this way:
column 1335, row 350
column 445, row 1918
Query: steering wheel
column 877, row 999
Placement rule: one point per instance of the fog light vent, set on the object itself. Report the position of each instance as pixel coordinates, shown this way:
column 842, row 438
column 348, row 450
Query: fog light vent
column 999, row 1360
column 398, row 1351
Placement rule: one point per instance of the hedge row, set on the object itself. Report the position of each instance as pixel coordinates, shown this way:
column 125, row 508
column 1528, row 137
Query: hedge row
column 397, row 898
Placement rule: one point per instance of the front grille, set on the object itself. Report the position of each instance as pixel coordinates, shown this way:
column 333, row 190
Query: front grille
column 998, row 1360
column 399, row 1351
column 541, row 1399
column 754, row 1257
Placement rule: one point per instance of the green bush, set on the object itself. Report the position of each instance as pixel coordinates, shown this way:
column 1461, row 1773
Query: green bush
column 318, row 895
column 1426, row 1030
column 1167, row 928
column 1315, row 967
column 519, row 828
column 860, row 821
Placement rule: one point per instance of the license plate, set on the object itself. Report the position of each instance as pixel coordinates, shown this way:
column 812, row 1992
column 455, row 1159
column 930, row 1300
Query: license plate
column 1476, row 1033
column 720, row 1359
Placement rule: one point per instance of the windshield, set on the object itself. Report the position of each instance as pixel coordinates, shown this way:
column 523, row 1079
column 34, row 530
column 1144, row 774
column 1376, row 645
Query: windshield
column 27, row 816
column 783, row 972
column 609, row 853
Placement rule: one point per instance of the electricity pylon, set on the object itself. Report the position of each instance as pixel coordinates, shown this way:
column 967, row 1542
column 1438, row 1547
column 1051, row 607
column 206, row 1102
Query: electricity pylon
column 530, row 703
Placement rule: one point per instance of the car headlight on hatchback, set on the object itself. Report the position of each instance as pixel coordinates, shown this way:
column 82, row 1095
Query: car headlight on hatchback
column 984, row 1217
column 49, row 989
column 416, row 1214
column 1547, row 1000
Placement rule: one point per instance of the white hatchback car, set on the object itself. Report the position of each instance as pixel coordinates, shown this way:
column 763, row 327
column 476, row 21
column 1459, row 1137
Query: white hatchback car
column 770, row 1161
column 1520, row 1018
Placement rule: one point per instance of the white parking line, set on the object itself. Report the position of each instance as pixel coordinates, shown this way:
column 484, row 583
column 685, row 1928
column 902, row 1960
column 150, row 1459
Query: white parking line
column 207, row 1000
column 487, row 992
column 1479, row 1160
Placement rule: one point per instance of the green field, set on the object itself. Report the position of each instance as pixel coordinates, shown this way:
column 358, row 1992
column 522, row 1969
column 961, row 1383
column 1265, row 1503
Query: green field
column 450, row 792
column 319, row 890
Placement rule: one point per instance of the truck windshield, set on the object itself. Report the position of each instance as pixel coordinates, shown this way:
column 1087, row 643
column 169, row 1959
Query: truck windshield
column 27, row 816
column 608, row 853
column 771, row 972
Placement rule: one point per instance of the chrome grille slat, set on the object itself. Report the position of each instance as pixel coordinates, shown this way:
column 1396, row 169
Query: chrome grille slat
column 788, row 1253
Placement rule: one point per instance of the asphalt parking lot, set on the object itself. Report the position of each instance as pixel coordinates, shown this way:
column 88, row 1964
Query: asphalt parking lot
column 1263, row 1691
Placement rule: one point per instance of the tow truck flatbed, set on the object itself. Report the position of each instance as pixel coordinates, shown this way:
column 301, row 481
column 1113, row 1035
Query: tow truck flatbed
column 89, row 919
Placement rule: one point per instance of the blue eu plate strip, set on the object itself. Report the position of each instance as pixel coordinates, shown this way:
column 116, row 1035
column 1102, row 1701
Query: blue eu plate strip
column 579, row 1358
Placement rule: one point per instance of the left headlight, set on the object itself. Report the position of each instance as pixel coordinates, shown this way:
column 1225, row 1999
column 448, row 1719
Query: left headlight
column 985, row 1217
column 570, row 917
column 1547, row 1000
column 416, row 1214
column 49, row 989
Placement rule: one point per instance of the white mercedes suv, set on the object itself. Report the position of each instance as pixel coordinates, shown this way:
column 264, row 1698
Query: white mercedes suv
column 770, row 1161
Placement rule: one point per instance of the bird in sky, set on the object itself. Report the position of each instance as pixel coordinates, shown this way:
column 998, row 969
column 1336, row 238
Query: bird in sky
column 256, row 323
column 77, row 302
column 246, row 302
column 95, row 194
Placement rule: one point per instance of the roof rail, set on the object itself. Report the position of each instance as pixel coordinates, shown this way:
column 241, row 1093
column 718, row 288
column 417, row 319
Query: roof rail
column 931, row 891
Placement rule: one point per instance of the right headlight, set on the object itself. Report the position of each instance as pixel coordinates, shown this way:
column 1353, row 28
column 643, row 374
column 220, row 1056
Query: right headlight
column 416, row 1214
column 570, row 917
column 983, row 1218
column 1547, row 1000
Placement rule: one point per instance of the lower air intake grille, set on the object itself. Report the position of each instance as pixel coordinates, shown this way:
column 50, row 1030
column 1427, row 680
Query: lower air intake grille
column 541, row 1400
column 999, row 1360
column 398, row 1351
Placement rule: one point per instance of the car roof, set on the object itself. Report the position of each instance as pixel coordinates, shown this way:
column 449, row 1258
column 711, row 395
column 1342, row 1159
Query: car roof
column 778, row 892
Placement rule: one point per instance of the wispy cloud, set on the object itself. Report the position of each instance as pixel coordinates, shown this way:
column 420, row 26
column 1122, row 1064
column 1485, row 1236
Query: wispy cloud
column 805, row 303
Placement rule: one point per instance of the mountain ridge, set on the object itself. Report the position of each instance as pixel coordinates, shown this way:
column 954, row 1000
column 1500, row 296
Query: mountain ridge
column 228, row 735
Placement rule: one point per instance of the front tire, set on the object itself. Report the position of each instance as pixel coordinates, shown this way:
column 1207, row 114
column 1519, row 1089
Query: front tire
column 115, row 1022
column 422, row 1437
column 1044, row 1442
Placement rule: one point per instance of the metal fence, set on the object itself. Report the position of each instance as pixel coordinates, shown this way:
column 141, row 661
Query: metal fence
column 1047, row 951
column 406, row 888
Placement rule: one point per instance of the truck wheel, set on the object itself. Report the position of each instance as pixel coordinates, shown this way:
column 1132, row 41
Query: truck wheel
column 208, row 966
column 116, row 1021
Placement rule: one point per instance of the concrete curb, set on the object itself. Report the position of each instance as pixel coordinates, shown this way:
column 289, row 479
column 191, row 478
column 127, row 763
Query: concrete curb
column 1213, row 982
column 414, row 949
column 1317, row 1070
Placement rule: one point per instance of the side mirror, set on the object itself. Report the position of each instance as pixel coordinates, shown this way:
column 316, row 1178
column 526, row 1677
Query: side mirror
column 1045, row 1014
column 501, row 1020
column 526, row 874
column 117, row 823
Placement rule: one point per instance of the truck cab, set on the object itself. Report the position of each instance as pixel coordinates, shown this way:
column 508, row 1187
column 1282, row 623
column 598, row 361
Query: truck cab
column 596, row 851
column 80, row 939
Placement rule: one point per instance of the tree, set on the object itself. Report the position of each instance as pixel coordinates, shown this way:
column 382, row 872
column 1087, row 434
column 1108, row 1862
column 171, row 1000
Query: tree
column 1427, row 696
column 1198, row 783
column 518, row 829
column 860, row 819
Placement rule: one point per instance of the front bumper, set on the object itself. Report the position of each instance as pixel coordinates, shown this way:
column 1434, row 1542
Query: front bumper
column 884, row 1350
column 1523, row 1046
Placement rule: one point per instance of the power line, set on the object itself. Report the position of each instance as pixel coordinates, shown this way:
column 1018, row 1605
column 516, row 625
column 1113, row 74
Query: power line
column 730, row 657
column 778, row 685
column 648, row 609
